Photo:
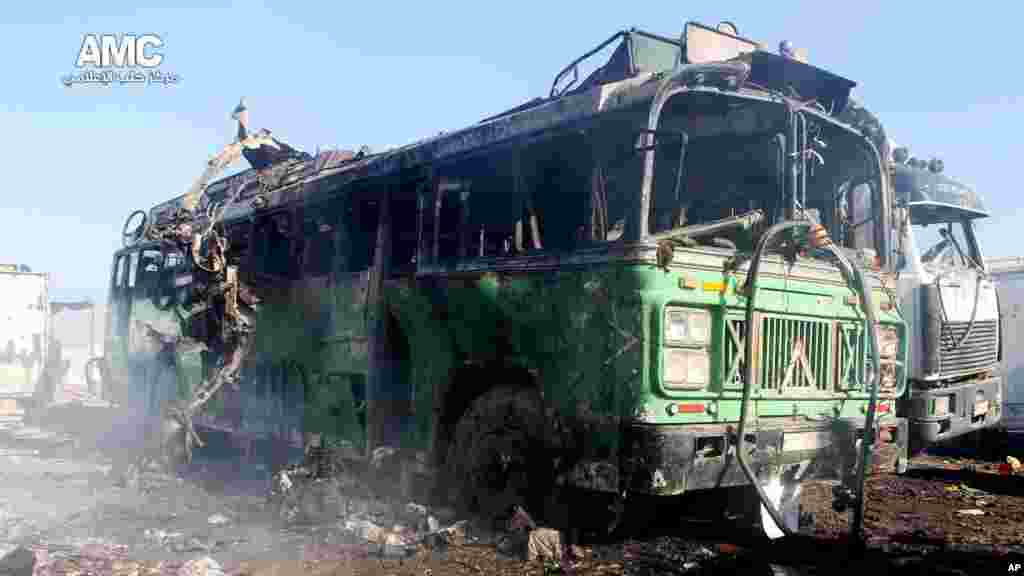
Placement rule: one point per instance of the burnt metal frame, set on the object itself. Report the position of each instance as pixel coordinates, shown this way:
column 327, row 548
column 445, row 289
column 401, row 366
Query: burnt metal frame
column 672, row 87
column 627, row 35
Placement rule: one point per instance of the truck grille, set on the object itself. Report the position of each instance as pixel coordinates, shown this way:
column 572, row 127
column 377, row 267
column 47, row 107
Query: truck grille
column 977, row 353
column 795, row 354
column 852, row 356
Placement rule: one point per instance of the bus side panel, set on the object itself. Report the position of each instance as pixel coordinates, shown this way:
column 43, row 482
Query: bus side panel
column 310, row 360
column 573, row 330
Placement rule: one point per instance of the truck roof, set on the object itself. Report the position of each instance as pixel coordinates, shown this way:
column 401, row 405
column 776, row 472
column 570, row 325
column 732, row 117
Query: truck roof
column 1005, row 265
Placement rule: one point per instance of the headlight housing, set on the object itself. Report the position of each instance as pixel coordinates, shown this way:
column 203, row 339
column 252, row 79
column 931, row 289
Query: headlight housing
column 687, row 327
column 888, row 342
column 685, row 369
column 685, row 362
column 888, row 350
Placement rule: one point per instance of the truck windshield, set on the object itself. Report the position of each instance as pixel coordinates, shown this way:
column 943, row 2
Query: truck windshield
column 945, row 246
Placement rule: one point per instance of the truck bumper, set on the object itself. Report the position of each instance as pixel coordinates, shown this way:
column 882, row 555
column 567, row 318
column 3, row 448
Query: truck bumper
column 670, row 460
column 974, row 405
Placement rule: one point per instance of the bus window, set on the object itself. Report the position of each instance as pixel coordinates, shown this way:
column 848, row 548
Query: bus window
column 239, row 238
column 150, row 263
column 133, row 264
column 404, row 229
column 360, row 232
column 453, row 198
column 319, row 230
column 119, row 268
column 273, row 246
column 558, row 178
column 496, row 207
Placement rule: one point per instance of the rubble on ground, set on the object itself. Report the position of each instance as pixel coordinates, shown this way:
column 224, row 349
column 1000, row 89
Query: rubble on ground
column 18, row 562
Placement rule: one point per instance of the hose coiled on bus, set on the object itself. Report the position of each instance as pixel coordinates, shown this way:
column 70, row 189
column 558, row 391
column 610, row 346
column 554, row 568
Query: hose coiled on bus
column 855, row 280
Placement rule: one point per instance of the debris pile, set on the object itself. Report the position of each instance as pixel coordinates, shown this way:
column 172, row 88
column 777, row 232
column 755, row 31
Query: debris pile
column 333, row 487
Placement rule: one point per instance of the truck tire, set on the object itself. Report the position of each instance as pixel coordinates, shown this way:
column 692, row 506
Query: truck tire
column 497, row 458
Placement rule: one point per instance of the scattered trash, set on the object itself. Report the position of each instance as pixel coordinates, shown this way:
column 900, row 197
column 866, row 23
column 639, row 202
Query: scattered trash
column 218, row 519
column 521, row 521
column 381, row 456
column 203, row 566
column 1015, row 464
column 457, row 533
column 416, row 509
column 366, row 530
column 544, row 544
column 398, row 545
column 972, row 512
column 162, row 537
column 18, row 562
column 966, row 490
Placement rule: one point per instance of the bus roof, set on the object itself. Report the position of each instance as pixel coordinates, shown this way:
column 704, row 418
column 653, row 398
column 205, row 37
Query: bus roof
column 630, row 77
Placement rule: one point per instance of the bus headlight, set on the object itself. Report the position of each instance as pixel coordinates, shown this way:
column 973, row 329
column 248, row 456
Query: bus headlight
column 684, row 369
column 687, row 326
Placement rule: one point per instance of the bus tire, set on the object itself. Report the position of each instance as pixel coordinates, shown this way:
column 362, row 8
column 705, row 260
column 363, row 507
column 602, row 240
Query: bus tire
column 497, row 458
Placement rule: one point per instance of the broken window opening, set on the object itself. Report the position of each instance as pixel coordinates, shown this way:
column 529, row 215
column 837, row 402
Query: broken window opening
column 150, row 265
column 843, row 187
column 120, row 267
column 360, row 231
column 273, row 246
column 735, row 162
column 557, row 194
column 404, row 229
column 133, row 264
column 239, row 237
column 320, row 230
column 728, row 163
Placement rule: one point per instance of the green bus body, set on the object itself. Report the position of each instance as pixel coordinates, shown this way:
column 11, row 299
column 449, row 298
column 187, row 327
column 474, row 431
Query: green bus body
column 395, row 359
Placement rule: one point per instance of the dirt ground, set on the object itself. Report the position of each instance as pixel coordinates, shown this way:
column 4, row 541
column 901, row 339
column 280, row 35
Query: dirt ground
column 941, row 501
column 947, row 515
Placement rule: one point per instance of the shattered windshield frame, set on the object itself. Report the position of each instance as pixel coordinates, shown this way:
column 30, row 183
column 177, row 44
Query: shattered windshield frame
column 719, row 158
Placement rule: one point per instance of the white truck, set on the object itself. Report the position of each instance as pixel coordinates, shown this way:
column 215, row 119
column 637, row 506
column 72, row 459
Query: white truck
column 76, row 333
column 24, row 341
column 948, row 296
column 1009, row 277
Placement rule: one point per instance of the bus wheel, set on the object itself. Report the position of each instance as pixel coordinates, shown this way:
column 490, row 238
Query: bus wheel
column 497, row 458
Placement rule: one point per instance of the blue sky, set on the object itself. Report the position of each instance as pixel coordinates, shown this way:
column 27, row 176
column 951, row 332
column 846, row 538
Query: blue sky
column 79, row 160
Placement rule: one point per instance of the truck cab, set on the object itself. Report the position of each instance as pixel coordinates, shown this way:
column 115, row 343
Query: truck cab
column 950, row 300
column 24, row 349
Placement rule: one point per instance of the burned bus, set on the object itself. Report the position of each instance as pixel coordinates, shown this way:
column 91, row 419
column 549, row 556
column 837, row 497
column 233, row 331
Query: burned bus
column 637, row 284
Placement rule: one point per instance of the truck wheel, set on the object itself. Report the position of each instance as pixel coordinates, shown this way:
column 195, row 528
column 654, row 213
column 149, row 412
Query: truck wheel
column 497, row 457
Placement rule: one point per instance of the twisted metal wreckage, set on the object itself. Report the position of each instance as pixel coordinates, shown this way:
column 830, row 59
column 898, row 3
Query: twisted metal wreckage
column 217, row 296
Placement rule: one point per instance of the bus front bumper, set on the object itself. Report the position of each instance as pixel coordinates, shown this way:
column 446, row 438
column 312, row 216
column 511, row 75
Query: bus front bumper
column 670, row 459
